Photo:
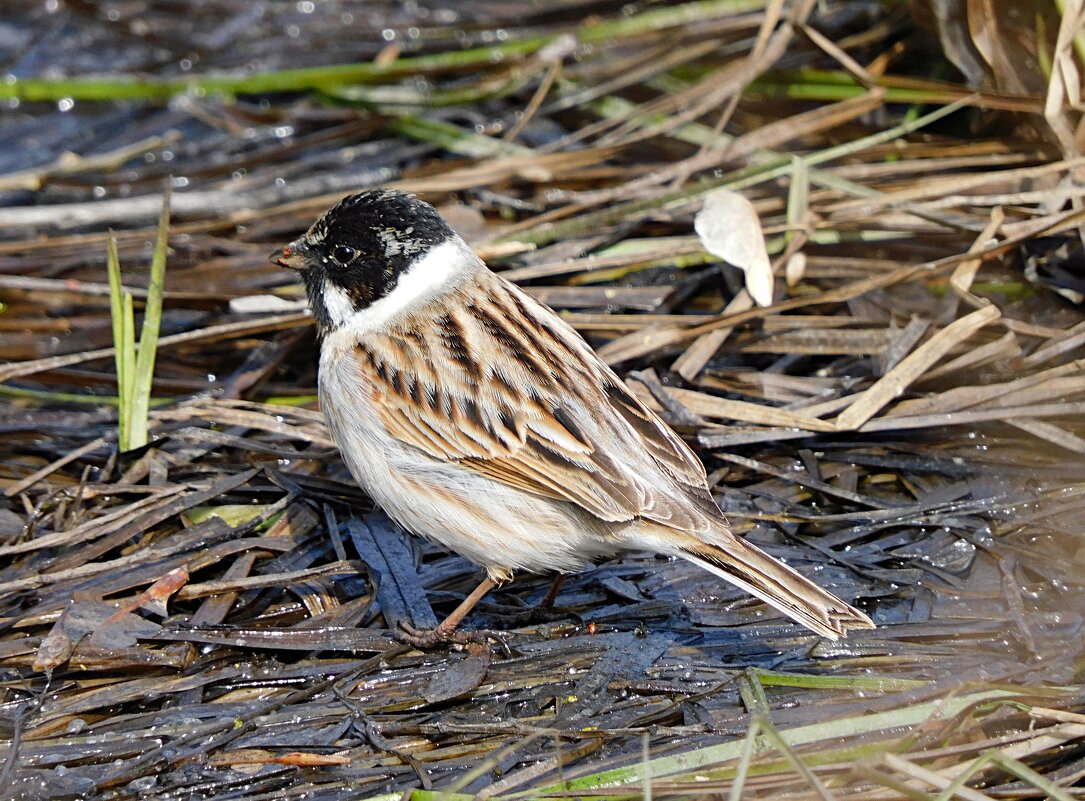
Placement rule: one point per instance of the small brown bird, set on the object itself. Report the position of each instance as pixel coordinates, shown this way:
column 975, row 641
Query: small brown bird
column 476, row 417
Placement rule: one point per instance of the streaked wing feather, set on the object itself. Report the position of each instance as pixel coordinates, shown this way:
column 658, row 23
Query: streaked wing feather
column 516, row 476
column 666, row 447
column 507, row 389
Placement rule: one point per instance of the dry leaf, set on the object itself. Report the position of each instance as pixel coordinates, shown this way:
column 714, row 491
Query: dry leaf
column 795, row 268
column 154, row 599
column 730, row 230
column 107, row 626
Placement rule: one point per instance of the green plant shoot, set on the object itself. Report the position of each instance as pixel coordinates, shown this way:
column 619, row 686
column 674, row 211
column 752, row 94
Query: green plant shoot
column 135, row 369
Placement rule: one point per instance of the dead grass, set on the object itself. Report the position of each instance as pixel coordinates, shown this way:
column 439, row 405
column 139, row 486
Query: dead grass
column 210, row 615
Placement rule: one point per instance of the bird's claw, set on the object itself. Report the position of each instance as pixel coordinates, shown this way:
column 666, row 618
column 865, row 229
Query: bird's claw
column 429, row 638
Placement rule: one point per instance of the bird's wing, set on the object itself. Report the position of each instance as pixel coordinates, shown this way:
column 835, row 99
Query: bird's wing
column 500, row 384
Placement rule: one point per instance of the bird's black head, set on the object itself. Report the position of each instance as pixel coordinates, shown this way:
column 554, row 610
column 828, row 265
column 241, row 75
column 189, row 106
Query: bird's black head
column 362, row 246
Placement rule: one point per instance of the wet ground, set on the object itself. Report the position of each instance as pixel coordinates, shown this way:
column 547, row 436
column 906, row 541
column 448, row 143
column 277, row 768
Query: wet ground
column 951, row 514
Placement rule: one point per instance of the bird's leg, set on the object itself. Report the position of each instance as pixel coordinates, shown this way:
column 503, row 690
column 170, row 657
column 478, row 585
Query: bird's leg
column 446, row 630
column 552, row 594
column 447, row 626
column 542, row 612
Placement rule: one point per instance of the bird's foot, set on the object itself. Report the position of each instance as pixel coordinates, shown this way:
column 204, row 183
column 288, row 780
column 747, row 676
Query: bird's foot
column 430, row 638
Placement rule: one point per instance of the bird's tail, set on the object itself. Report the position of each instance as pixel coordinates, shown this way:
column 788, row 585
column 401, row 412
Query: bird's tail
column 769, row 579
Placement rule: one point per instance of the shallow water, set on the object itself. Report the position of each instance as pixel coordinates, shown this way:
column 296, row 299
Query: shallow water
column 963, row 542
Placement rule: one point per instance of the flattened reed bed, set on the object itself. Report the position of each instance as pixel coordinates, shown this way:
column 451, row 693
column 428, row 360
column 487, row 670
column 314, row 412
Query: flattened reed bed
column 211, row 615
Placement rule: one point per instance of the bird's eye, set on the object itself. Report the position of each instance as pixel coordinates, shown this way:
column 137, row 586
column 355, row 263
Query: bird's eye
column 343, row 254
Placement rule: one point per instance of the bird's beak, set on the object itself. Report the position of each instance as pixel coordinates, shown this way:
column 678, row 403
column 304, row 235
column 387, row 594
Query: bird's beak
column 291, row 256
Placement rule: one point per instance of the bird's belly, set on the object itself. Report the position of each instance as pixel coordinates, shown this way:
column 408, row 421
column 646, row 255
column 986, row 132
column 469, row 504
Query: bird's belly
column 496, row 526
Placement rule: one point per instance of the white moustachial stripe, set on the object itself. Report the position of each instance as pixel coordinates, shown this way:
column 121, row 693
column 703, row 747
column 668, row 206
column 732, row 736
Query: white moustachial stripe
column 338, row 303
column 424, row 280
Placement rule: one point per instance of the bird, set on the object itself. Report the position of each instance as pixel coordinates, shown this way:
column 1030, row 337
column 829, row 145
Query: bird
column 476, row 417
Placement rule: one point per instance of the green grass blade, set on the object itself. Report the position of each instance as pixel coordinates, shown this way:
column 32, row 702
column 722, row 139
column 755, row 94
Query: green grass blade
column 749, row 744
column 44, row 396
column 810, row 681
column 116, row 297
column 116, row 313
column 454, row 139
column 753, row 694
column 1027, row 774
column 127, row 87
column 148, row 339
column 1015, row 767
column 773, row 736
column 127, row 369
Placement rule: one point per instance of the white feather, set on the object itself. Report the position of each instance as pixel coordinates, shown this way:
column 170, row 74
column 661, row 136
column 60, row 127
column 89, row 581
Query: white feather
column 338, row 304
column 426, row 278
